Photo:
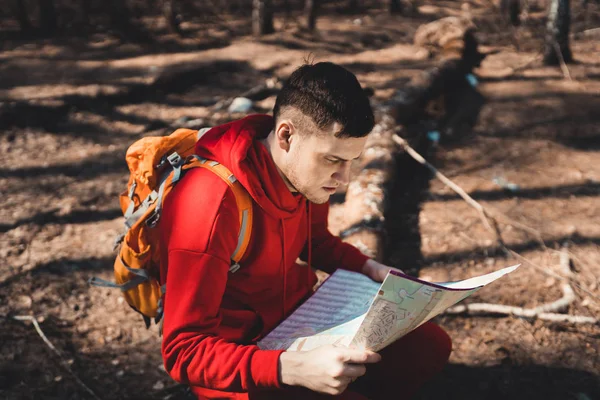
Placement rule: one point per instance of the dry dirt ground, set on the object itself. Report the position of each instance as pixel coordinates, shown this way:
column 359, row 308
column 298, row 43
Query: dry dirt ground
column 70, row 106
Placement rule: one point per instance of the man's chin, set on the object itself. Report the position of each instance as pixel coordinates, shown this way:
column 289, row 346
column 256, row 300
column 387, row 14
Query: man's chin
column 321, row 200
column 318, row 200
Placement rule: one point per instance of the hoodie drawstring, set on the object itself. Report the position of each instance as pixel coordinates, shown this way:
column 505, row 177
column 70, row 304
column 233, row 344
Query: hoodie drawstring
column 309, row 243
column 284, row 267
column 309, row 260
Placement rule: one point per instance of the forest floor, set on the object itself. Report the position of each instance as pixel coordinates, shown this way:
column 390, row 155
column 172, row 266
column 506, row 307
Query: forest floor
column 70, row 106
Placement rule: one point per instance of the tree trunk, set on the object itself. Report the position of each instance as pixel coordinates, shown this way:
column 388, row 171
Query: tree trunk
column 287, row 13
column 85, row 11
column 310, row 12
column 47, row 16
column 395, row 6
column 171, row 15
column 512, row 8
column 120, row 17
column 415, row 7
column 21, row 13
column 352, row 6
column 262, row 17
column 367, row 195
column 557, row 33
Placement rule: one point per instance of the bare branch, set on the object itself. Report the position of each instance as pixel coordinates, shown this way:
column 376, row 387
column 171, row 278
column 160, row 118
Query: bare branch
column 590, row 32
column 64, row 363
column 561, row 59
column 545, row 311
column 485, row 215
column 568, row 294
column 486, row 309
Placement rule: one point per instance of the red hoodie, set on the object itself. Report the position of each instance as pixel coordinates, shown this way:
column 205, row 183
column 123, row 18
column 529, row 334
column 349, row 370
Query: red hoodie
column 213, row 318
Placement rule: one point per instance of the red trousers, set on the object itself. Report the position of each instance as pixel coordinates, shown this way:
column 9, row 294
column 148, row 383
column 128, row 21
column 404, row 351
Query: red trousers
column 404, row 367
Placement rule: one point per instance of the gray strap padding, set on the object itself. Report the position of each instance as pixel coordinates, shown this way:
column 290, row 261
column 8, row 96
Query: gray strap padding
column 160, row 310
column 131, row 205
column 242, row 230
column 176, row 162
column 136, row 280
column 201, row 133
column 133, row 218
column 118, row 240
column 198, row 158
column 141, row 275
column 176, row 174
column 153, row 220
column 234, row 267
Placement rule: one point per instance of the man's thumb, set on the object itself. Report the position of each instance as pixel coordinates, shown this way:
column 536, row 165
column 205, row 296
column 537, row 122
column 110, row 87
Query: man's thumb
column 361, row 356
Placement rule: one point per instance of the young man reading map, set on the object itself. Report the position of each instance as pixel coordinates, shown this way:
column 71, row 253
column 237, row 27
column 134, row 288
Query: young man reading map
column 290, row 164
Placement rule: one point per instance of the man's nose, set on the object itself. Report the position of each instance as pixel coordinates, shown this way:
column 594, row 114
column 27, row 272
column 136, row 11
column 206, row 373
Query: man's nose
column 343, row 174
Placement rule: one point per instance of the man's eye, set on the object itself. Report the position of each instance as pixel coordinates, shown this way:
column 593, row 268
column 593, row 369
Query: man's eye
column 332, row 161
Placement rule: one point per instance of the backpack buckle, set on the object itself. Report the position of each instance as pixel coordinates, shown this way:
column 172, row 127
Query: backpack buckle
column 153, row 219
column 234, row 267
column 174, row 159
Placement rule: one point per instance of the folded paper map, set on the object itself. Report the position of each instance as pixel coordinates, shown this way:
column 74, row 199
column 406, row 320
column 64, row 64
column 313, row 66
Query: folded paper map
column 349, row 309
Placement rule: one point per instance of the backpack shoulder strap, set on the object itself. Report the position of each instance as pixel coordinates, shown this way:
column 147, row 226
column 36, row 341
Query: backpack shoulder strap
column 242, row 199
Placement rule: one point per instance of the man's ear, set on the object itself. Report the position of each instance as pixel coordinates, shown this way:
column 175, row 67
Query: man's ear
column 283, row 133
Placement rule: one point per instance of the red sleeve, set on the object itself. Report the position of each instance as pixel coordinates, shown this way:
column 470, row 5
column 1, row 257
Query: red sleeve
column 199, row 229
column 329, row 252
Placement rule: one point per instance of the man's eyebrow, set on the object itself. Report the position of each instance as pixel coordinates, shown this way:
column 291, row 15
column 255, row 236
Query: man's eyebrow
column 343, row 159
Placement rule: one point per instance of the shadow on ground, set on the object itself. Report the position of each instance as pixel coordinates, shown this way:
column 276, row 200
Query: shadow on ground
column 515, row 382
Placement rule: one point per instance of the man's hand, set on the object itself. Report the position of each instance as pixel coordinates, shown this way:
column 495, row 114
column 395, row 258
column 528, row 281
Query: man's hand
column 326, row 369
column 377, row 271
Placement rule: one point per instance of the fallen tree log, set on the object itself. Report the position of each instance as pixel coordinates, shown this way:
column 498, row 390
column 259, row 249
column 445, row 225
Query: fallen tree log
column 366, row 195
column 389, row 184
column 443, row 99
column 548, row 311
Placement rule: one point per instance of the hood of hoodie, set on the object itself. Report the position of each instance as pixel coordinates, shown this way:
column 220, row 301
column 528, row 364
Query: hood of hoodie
column 237, row 146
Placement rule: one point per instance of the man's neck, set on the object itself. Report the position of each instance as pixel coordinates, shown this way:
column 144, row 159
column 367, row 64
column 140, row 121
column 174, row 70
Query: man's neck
column 269, row 143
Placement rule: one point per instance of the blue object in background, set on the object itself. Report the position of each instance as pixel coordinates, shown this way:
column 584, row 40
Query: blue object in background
column 504, row 184
column 434, row 136
column 240, row 105
column 472, row 79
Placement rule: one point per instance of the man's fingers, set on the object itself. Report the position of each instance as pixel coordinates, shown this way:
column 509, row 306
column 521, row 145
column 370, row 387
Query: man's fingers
column 358, row 356
column 354, row 370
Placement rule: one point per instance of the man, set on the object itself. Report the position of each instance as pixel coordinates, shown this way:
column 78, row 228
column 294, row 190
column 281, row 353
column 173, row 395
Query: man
column 290, row 164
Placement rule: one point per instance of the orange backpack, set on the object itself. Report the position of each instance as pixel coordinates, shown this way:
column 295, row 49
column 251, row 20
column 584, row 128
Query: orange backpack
column 156, row 165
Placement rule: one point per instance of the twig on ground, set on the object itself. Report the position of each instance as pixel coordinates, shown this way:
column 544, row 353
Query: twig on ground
column 546, row 311
column 568, row 294
column 468, row 238
column 533, row 59
column 485, row 215
column 552, row 274
column 513, row 32
column 486, row 309
column 509, row 221
column 64, row 363
column 591, row 31
column 366, row 194
column 580, row 261
column 561, row 59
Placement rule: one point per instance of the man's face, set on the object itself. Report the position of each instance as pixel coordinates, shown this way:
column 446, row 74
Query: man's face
column 317, row 163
